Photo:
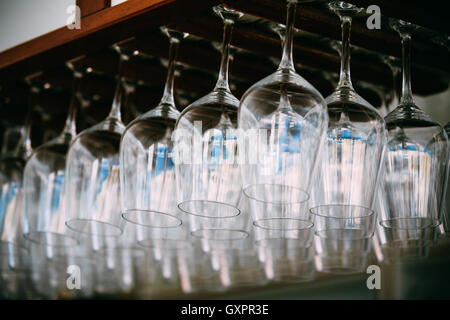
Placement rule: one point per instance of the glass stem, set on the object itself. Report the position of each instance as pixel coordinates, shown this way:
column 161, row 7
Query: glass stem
column 168, row 97
column 395, row 73
column 344, row 76
column 406, row 97
column 70, row 126
column 118, row 94
column 26, row 143
column 222, row 81
column 286, row 60
column 24, row 149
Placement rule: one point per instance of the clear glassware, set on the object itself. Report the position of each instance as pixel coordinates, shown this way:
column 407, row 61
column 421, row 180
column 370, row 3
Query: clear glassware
column 378, row 92
column 196, row 273
column 416, row 160
column 207, row 168
column 395, row 65
column 356, row 137
column 146, row 159
column 239, row 267
column 343, row 238
column 349, row 169
column 93, row 168
column 283, row 120
column 122, row 264
column 11, row 138
column 13, row 247
column 44, row 180
column 285, row 249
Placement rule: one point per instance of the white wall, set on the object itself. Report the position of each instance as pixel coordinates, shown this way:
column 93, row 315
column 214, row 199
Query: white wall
column 22, row 20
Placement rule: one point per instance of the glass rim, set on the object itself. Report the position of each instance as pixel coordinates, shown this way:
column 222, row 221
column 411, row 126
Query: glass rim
column 244, row 190
column 370, row 215
column 168, row 215
column 430, row 226
column 310, row 224
column 74, row 241
column 238, row 211
column 96, row 221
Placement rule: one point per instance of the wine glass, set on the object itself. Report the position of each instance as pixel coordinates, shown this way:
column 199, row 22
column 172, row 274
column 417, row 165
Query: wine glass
column 355, row 138
column 395, row 65
column 416, row 160
column 207, row 168
column 92, row 167
column 380, row 97
column 13, row 247
column 11, row 138
column 44, row 180
column 349, row 168
column 149, row 199
column 146, row 159
column 11, row 172
column 283, row 121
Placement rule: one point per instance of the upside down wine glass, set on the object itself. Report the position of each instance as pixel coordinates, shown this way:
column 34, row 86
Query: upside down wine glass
column 44, row 180
column 148, row 182
column 352, row 154
column 11, row 138
column 207, row 168
column 283, row 120
column 349, row 169
column 12, row 244
column 395, row 66
column 416, row 160
column 92, row 167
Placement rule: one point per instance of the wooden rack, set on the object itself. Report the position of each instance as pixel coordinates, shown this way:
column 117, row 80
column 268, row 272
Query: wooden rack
column 255, row 58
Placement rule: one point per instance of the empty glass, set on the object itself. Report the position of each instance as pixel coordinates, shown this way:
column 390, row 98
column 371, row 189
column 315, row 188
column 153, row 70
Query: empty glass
column 146, row 158
column 207, row 167
column 395, row 65
column 239, row 267
column 416, row 160
column 283, row 121
column 44, row 205
column 350, row 165
column 196, row 273
column 349, row 169
column 13, row 247
column 11, row 138
column 92, row 167
column 343, row 237
column 285, row 248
